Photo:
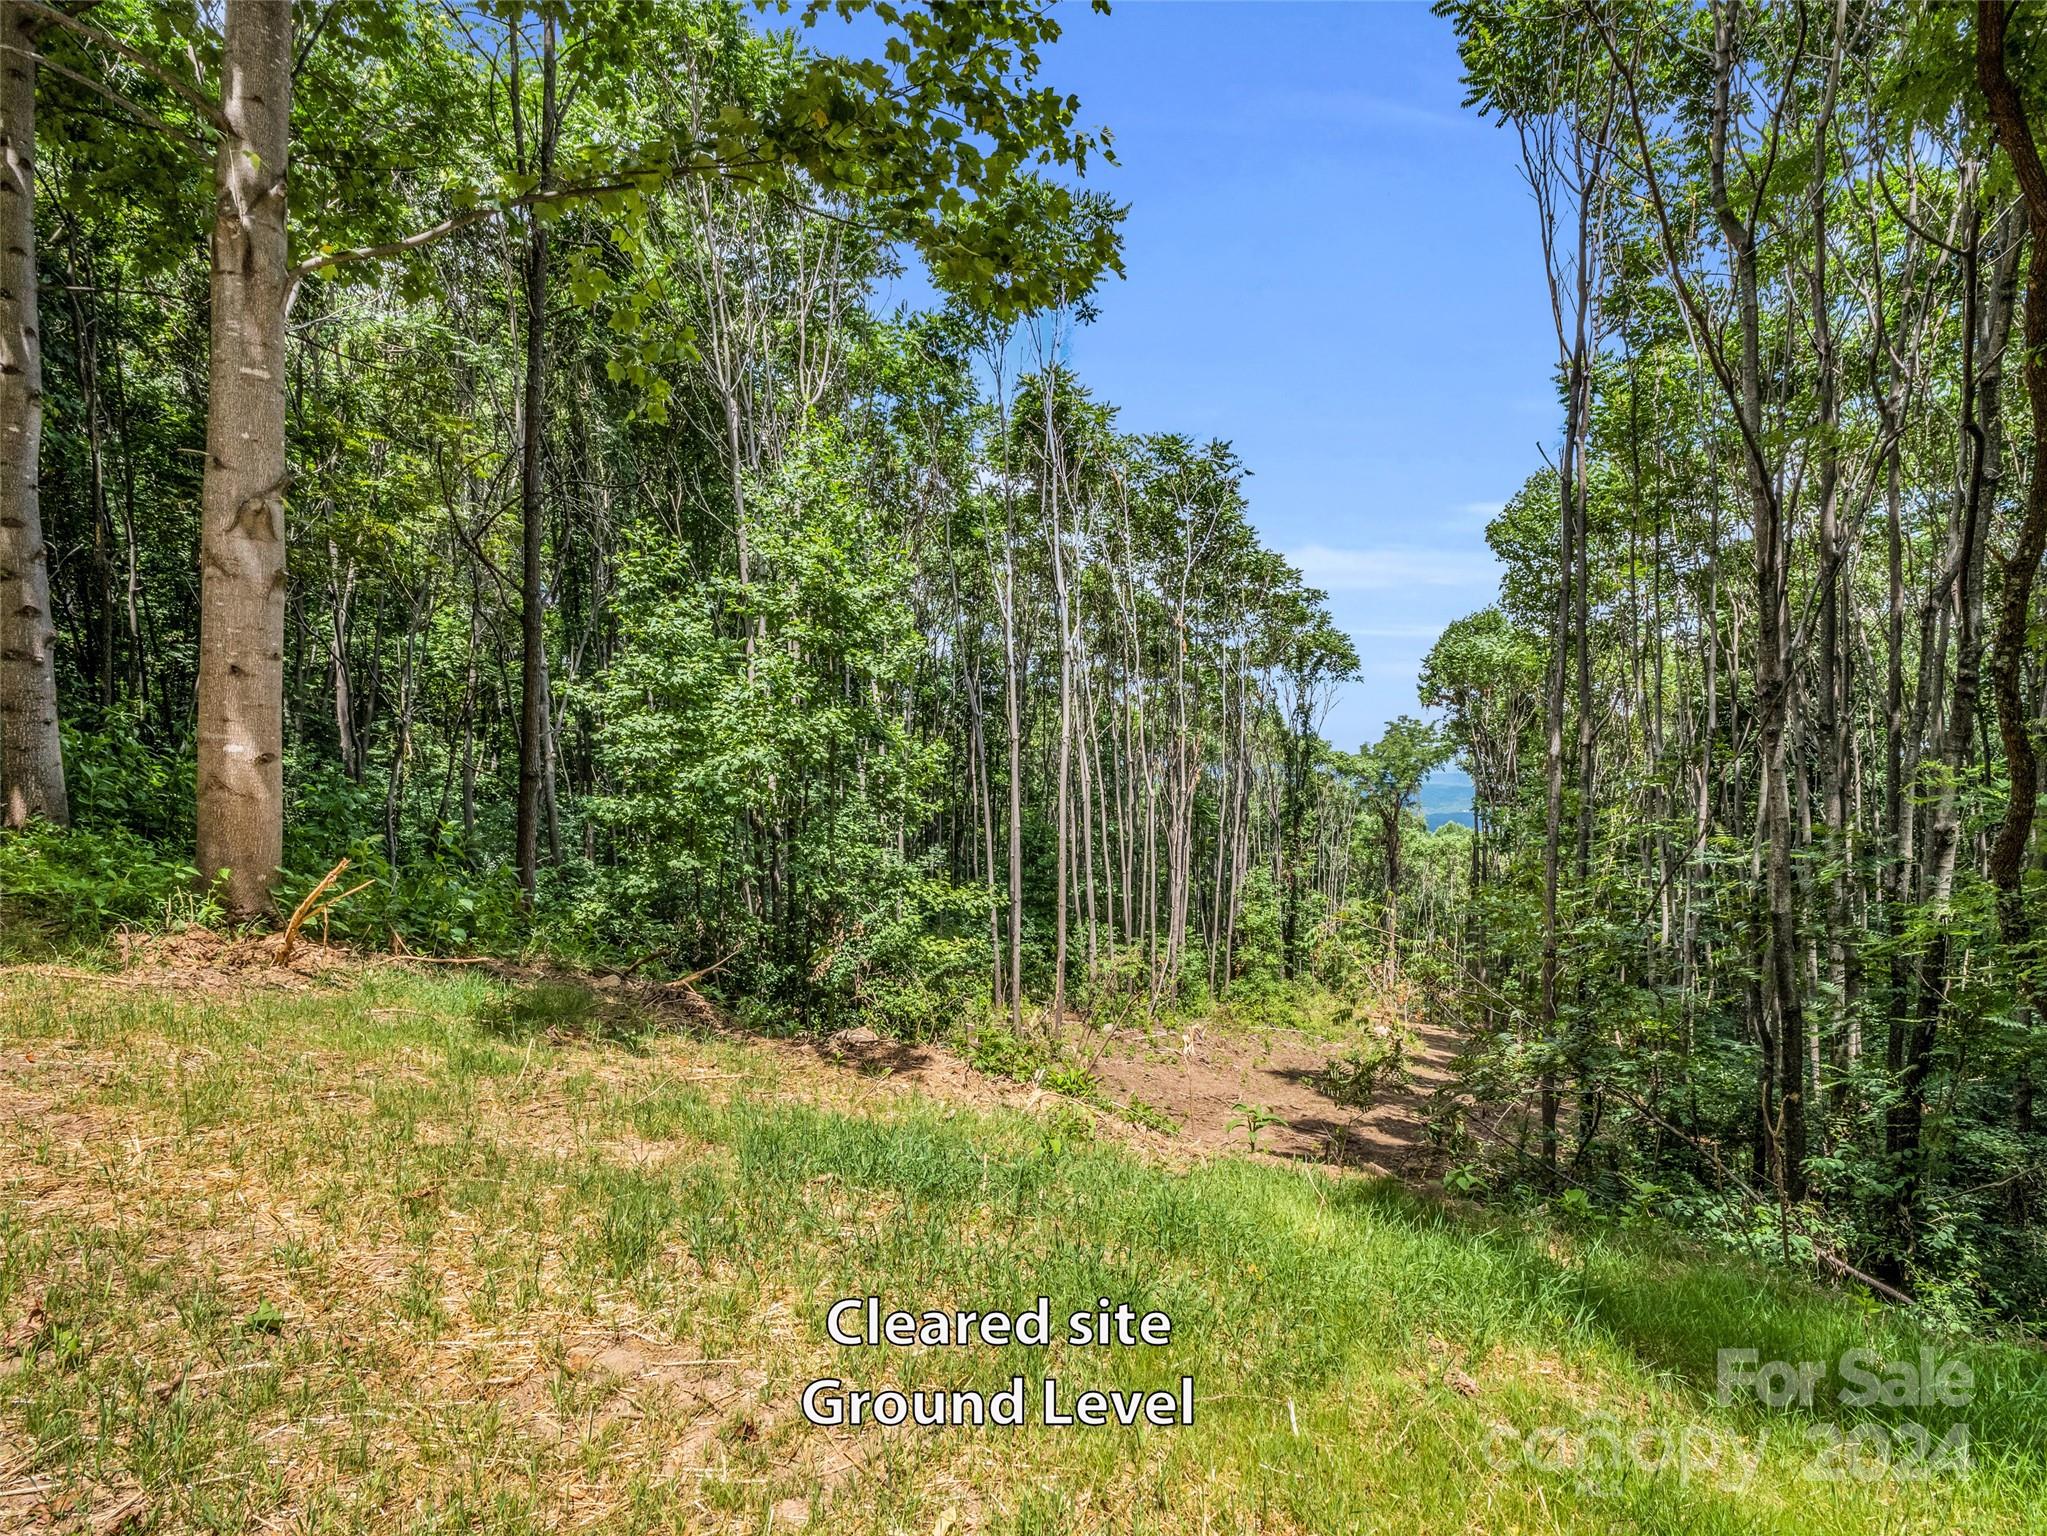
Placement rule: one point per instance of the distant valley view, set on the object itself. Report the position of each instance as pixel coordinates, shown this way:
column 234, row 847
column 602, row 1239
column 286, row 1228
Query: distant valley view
column 1445, row 797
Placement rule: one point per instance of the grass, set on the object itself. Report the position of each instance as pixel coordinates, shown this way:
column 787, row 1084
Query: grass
column 416, row 1256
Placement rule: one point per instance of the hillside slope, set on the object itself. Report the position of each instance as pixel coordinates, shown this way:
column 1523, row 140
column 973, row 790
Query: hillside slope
column 399, row 1252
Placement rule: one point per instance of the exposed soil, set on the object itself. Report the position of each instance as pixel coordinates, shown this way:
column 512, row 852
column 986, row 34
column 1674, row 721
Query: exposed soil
column 1199, row 1077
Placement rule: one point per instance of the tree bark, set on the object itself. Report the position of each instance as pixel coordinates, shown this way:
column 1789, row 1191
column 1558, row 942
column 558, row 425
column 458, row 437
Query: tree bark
column 31, row 748
column 241, row 556
column 2015, row 134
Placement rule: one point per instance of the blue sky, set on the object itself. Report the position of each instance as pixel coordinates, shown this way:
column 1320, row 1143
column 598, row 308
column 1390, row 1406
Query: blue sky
column 1334, row 266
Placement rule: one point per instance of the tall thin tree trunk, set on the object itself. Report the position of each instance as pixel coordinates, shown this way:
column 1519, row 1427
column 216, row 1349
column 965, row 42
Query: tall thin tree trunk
column 1835, row 719
column 1062, row 799
column 1012, row 689
column 1780, row 1003
column 533, row 690
column 85, row 328
column 2021, row 567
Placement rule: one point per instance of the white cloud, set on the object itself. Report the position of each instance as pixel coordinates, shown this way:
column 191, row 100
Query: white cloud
column 1391, row 567
column 1482, row 511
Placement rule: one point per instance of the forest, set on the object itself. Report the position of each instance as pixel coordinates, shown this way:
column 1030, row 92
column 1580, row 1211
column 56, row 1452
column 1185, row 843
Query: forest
column 643, row 581
column 614, row 473
column 1756, row 722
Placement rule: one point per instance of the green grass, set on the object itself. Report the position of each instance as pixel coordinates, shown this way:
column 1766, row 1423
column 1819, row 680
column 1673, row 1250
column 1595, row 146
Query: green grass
column 413, row 1257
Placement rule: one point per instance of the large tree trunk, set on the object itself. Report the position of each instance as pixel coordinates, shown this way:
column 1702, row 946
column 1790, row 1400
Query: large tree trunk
column 31, row 751
column 241, row 549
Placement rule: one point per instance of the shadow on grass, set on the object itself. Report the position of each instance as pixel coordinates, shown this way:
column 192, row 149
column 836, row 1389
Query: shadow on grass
column 1672, row 1306
column 565, row 1012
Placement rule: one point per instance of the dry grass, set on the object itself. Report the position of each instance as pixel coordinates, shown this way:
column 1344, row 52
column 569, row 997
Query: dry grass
column 390, row 1251
column 295, row 1289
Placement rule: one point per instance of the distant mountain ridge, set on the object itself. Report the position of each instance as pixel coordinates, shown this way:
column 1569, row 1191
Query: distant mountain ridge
column 1446, row 796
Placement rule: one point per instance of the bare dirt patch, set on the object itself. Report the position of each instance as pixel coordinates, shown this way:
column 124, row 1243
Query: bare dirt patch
column 1200, row 1076
column 1197, row 1076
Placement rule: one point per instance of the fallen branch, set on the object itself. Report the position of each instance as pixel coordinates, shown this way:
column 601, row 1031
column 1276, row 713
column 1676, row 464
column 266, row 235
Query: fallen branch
column 699, row 975
column 653, row 954
column 1841, row 1266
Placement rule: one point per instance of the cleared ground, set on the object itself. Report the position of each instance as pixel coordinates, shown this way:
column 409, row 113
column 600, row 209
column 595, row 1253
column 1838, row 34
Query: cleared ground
column 384, row 1250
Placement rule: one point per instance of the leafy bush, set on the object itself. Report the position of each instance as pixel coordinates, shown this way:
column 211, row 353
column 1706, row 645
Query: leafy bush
column 61, row 887
column 1354, row 1078
column 999, row 1051
column 756, row 798
column 435, row 901
column 118, row 782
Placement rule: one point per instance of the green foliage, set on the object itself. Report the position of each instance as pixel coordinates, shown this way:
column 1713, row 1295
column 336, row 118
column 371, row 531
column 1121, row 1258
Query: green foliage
column 1394, row 766
column 1258, row 956
column 60, row 889
column 993, row 1047
column 117, row 781
column 1466, row 1179
column 704, row 742
column 1150, row 1116
column 1252, row 1119
column 1354, row 1078
column 439, row 899
column 1720, row 858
